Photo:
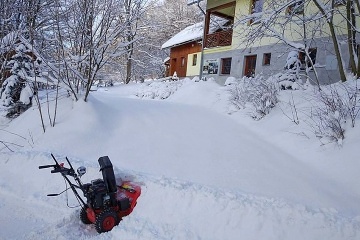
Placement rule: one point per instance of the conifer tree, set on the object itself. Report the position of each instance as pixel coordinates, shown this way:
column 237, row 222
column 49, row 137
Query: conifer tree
column 18, row 88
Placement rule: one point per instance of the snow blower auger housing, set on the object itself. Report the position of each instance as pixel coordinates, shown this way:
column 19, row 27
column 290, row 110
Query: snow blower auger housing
column 106, row 202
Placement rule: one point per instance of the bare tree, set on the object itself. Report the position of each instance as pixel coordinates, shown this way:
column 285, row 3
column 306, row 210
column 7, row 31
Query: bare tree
column 86, row 42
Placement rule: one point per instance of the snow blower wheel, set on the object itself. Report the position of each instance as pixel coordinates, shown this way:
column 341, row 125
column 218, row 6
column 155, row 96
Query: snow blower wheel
column 106, row 220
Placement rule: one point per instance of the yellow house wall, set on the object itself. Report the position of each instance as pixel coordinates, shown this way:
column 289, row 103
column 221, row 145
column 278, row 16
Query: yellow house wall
column 193, row 70
column 217, row 49
column 293, row 32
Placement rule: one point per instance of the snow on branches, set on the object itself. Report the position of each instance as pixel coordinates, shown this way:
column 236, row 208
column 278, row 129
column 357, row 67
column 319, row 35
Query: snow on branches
column 261, row 94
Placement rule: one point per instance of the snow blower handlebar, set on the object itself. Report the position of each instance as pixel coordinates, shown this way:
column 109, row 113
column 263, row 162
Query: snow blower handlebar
column 59, row 168
column 47, row 166
column 56, row 165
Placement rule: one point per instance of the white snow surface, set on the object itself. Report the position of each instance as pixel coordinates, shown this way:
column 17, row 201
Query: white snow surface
column 190, row 33
column 205, row 173
column 193, row 33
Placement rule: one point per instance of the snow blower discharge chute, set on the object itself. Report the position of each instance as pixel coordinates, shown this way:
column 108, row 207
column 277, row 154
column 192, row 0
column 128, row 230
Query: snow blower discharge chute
column 106, row 203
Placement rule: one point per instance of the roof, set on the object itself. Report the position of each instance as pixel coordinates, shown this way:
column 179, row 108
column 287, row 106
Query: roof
column 193, row 33
column 189, row 34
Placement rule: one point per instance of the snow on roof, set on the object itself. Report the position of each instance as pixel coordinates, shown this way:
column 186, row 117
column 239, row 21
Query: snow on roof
column 166, row 59
column 191, row 33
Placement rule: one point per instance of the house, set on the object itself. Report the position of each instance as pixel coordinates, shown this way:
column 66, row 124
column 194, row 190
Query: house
column 237, row 50
column 185, row 51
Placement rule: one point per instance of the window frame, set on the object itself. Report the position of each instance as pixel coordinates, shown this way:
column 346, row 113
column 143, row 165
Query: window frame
column 266, row 59
column 194, row 59
column 253, row 9
column 225, row 67
column 338, row 3
column 302, row 58
column 296, row 8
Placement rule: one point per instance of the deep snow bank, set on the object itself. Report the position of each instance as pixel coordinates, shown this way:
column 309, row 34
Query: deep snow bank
column 204, row 174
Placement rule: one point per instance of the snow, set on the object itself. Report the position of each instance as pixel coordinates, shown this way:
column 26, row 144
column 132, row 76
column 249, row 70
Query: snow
column 206, row 171
column 192, row 33
column 7, row 41
column 26, row 95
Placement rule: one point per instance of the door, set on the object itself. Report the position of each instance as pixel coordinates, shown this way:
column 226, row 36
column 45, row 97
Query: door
column 250, row 65
column 172, row 66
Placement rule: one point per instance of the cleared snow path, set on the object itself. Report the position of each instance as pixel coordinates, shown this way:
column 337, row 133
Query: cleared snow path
column 167, row 209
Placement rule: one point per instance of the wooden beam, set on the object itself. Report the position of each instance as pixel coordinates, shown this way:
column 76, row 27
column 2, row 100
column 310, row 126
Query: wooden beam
column 207, row 24
column 226, row 5
column 222, row 15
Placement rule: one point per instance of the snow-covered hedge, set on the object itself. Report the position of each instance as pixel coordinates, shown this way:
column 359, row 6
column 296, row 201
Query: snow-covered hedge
column 158, row 90
column 260, row 94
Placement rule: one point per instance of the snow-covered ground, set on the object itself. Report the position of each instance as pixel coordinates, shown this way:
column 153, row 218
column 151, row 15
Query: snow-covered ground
column 206, row 171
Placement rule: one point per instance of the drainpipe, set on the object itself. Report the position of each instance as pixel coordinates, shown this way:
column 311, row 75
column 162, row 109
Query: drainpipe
column 191, row 2
column 203, row 42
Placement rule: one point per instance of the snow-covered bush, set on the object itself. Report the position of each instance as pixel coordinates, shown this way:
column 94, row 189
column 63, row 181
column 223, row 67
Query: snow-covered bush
column 196, row 79
column 230, row 80
column 336, row 106
column 261, row 94
column 158, row 89
column 290, row 78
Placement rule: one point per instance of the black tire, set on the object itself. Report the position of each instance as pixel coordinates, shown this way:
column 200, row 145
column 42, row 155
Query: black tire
column 83, row 216
column 106, row 220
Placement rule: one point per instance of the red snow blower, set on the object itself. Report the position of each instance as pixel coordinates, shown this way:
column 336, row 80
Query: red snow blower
column 107, row 203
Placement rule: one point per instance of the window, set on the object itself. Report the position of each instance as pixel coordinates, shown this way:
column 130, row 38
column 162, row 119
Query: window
column 194, row 59
column 266, row 58
column 302, row 58
column 256, row 7
column 339, row 3
column 296, row 8
column 225, row 65
column 183, row 61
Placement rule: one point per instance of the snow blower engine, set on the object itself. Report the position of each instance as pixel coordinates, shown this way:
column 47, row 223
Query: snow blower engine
column 106, row 202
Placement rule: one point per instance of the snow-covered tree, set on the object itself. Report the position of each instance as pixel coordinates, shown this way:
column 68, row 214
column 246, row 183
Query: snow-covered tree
column 19, row 87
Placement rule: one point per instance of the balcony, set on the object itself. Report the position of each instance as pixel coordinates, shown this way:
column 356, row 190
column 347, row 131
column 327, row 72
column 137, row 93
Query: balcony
column 219, row 39
column 219, row 20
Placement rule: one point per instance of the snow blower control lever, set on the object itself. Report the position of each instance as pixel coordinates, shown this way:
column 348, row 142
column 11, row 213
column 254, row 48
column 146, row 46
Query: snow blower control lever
column 106, row 202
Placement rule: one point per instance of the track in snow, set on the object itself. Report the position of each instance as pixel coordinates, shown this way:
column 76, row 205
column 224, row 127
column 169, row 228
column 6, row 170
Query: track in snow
column 167, row 209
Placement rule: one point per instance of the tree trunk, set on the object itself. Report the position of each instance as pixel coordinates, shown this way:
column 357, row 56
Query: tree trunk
column 128, row 70
column 334, row 39
column 129, row 38
column 351, row 35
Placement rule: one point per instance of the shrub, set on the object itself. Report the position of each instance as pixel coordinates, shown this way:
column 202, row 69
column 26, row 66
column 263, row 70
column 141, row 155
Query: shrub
column 261, row 94
column 336, row 106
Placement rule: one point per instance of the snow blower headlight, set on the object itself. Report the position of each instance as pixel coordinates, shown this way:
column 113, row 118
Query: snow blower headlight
column 81, row 171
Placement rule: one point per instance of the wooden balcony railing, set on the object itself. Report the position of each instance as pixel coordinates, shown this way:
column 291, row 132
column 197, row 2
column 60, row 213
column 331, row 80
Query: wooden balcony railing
column 219, row 39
